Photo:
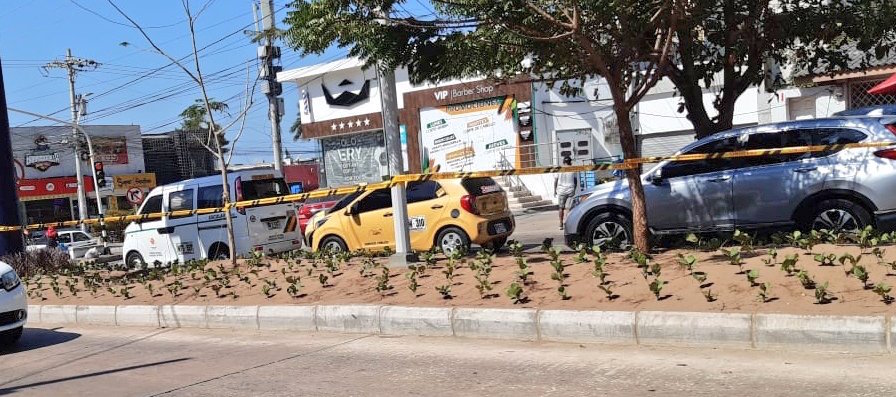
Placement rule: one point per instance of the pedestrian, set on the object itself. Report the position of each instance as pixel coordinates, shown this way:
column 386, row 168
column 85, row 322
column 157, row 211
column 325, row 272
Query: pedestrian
column 51, row 235
column 565, row 185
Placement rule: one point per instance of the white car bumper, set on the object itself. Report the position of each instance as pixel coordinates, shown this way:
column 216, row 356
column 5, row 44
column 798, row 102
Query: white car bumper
column 13, row 308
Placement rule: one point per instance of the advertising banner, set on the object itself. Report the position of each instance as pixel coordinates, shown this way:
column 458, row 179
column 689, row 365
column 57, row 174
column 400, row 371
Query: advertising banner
column 354, row 159
column 471, row 136
column 111, row 150
column 122, row 184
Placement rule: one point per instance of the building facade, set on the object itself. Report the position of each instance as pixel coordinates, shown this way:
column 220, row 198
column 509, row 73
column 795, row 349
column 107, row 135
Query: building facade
column 44, row 159
column 178, row 155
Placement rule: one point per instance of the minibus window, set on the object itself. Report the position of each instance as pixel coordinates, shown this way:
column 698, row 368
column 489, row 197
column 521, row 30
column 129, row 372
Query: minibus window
column 210, row 197
column 152, row 205
column 263, row 188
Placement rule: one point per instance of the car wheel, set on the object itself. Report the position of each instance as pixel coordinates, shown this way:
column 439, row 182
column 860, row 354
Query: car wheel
column 496, row 244
column 134, row 260
column 609, row 230
column 838, row 215
column 10, row 337
column 332, row 244
column 219, row 252
column 453, row 239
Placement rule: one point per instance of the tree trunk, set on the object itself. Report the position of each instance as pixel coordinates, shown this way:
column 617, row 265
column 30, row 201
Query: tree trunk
column 639, row 207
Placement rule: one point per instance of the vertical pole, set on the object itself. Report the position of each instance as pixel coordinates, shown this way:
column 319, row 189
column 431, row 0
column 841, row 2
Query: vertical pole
column 269, row 23
column 10, row 242
column 82, row 196
column 389, row 104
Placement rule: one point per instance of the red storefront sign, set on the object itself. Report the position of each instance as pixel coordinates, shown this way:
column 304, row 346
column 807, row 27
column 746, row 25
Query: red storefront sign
column 60, row 186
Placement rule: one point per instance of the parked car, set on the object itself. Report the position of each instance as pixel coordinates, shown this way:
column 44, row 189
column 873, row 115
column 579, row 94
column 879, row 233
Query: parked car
column 839, row 190
column 13, row 306
column 77, row 243
column 314, row 205
column 266, row 228
column 447, row 214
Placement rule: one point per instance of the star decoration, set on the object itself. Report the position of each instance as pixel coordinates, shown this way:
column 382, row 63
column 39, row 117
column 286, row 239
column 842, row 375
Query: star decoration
column 366, row 121
column 350, row 124
column 333, row 127
column 341, row 126
column 358, row 122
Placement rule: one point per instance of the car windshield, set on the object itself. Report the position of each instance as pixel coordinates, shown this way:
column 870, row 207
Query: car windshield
column 344, row 202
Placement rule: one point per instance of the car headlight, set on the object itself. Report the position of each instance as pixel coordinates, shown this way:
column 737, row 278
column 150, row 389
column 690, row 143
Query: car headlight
column 9, row 280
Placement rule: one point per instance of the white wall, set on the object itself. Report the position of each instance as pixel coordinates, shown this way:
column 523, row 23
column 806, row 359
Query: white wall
column 828, row 100
column 658, row 111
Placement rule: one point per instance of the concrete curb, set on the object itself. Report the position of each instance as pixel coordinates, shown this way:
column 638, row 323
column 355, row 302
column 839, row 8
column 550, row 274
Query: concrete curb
column 854, row 334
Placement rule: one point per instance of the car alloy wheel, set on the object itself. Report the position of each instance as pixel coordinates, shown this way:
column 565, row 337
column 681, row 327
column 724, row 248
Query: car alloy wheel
column 610, row 233
column 836, row 220
column 451, row 242
column 332, row 246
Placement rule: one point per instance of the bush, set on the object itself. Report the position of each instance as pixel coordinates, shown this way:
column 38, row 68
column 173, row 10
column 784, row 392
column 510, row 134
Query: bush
column 45, row 261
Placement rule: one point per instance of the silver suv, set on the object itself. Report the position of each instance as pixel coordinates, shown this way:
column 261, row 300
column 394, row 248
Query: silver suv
column 841, row 190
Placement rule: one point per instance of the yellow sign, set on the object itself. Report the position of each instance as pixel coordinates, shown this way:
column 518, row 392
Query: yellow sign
column 123, row 183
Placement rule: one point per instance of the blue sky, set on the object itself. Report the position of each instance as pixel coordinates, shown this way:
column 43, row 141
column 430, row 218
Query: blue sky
column 34, row 33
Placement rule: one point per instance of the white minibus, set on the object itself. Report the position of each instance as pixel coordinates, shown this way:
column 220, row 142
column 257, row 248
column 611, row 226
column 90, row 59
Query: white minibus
column 269, row 228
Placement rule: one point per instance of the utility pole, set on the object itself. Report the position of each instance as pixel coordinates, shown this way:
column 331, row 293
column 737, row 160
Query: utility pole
column 268, row 53
column 73, row 65
column 10, row 242
column 389, row 105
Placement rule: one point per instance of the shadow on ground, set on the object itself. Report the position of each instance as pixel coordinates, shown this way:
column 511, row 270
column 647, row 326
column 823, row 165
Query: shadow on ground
column 36, row 338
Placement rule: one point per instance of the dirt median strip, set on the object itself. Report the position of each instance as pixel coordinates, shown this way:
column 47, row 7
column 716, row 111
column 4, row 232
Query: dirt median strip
column 827, row 333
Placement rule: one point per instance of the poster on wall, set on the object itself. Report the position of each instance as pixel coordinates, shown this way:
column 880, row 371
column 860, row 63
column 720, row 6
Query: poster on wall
column 354, row 159
column 111, row 150
column 471, row 136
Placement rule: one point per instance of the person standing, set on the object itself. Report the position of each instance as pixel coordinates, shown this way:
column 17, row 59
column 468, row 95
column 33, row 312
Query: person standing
column 565, row 185
column 52, row 237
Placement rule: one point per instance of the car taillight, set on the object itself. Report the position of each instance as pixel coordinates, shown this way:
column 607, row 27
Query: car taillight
column 886, row 153
column 468, row 203
column 238, row 186
column 305, row 212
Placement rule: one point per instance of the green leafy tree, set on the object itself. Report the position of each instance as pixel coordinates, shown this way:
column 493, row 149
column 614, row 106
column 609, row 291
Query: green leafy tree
column 728, row 46
column 627, row 42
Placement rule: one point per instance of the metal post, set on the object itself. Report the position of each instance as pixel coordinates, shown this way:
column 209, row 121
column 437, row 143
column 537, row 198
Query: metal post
column 82, row 195
column 269, row 23
column 389, row 104
column 10, row 242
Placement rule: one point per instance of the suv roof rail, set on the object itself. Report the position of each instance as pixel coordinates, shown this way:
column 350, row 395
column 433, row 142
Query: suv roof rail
column 880, row 110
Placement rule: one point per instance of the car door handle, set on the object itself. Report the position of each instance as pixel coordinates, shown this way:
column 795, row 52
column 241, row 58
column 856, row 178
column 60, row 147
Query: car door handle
column 388, row 214
column 722, row 178
column 805, row 169
column 437, row 206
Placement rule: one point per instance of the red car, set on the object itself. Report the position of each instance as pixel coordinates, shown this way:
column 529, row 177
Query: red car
column 313, row 206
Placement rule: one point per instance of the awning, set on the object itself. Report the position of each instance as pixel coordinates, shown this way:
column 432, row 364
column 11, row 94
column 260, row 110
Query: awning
column 887, row 86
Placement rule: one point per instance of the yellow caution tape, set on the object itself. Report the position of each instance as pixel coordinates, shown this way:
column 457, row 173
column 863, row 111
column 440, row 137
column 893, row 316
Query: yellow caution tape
column 624, row 165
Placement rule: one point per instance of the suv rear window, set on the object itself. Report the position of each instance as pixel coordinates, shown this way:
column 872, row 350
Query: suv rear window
column 263, row 188
column 480, row 186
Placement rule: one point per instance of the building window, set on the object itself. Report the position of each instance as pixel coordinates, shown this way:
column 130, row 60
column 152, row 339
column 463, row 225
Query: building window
column 859, row 96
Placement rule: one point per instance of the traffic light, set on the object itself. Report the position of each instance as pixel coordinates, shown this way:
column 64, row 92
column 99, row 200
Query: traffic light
column 100, row 174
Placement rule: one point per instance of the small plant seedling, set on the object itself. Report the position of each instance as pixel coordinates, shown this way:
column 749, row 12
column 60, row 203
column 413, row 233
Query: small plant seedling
column 849, row 259
column 382, row 281
column 125, row 292
column 821, row 294
column 217, row 288
column 734, row 257
column 764, row 292
column 752, row 276
column 744, row 239
column 825, row 259
column 607, row 291
column 805, row 279
column 562, row 291
column 412, row 280
column 687, row 262
column 640, row 258
column 789, row 264
column 581, row 253
column 883, row 290
column 772, row 258
column 293, row 289
column 656, row 286
column 699, row 276
column 515, row 293
column 655, row 269
column 708, row 295
column 267, row 290
column 859, row 272
column 445, row 291
column 322, row 278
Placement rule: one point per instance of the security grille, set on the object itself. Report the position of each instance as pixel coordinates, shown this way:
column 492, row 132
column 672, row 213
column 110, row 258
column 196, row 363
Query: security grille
column 859, row 96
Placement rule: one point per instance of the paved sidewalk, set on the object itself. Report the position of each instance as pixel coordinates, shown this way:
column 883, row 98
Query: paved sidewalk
column 201, row 362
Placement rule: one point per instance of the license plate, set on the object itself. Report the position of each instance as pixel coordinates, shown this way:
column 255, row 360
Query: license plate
column 500, row 228
column 273, row 225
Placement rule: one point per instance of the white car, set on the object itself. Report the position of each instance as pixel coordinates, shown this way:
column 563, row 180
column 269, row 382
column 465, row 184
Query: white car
column 13, row 306
column 77, row 243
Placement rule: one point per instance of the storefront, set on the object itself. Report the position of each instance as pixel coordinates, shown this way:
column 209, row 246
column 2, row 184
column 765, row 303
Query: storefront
column 52, row 199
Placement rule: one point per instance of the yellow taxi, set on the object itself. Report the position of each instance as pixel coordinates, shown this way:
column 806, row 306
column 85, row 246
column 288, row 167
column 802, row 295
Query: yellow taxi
column 446, row 214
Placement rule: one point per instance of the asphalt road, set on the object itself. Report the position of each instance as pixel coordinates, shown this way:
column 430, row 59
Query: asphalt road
column 195, row 362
